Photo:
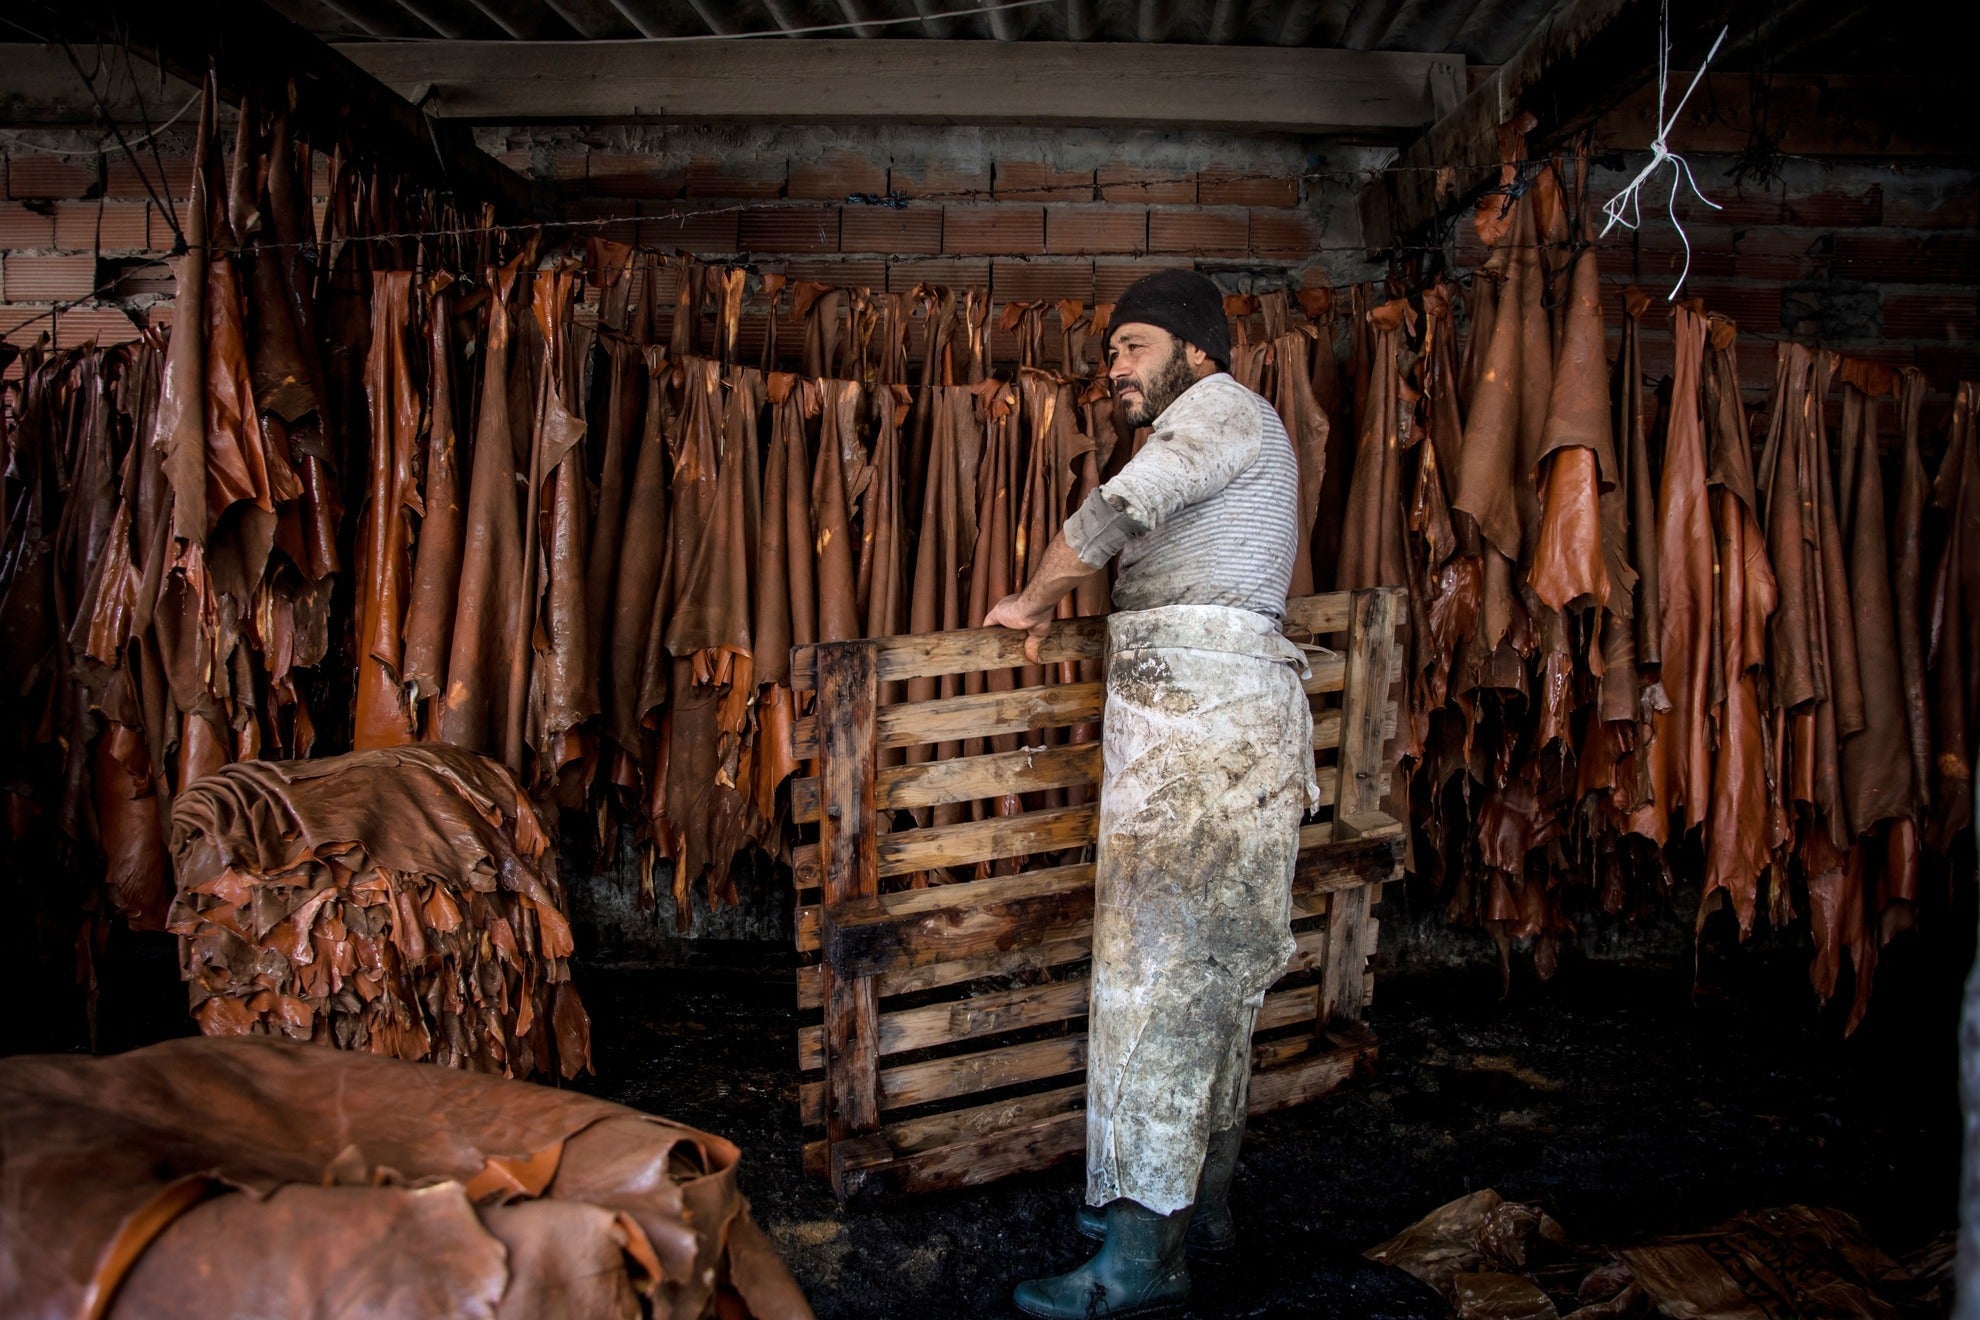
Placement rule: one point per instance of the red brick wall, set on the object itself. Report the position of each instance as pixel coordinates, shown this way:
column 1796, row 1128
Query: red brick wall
column 1024, row 228
column 1877, row 258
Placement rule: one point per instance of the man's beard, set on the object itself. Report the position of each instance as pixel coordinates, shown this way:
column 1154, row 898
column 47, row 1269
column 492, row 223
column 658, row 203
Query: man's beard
column 1163, row 386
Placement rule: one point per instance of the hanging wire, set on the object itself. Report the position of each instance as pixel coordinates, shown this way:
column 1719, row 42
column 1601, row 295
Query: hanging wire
column 1626, row 207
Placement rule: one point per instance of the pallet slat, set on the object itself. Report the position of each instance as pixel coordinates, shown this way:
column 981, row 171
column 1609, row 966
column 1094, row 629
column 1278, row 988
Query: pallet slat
column 908, row 851
column 965, row 651
column 956, row 923
column 910, row 1084
column 988, row 840
column 1052, row 948
column 945, row 1023
column 969, row 778
column 973, row 715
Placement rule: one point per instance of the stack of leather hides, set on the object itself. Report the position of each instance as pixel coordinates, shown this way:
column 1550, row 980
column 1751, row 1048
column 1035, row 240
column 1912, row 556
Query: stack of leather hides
column 401, row 901
column 265, row 1179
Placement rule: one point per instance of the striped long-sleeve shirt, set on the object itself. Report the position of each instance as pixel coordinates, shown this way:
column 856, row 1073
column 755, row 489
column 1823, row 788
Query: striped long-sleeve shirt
column 1207, row 513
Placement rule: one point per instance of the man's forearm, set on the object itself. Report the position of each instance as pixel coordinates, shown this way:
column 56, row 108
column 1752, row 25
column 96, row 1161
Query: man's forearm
column 1058, row 573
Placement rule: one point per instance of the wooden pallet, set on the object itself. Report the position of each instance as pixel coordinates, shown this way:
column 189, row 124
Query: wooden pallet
column 944, row 1039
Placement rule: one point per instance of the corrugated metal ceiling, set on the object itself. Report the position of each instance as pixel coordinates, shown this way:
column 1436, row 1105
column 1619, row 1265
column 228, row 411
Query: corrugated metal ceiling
column 1484, row 31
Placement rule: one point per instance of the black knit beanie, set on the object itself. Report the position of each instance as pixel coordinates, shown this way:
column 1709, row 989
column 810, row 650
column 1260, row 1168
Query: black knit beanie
column 1188, row 305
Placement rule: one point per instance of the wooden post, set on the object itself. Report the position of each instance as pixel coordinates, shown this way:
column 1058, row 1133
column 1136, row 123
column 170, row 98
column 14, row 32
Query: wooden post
column 1364, row 779
column 848, row 693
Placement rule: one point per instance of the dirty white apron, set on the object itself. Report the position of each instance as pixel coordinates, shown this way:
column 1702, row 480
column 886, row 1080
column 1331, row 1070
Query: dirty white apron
column 1207, row 749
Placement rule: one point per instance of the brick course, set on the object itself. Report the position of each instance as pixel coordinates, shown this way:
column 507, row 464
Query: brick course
column 629, row 174
column 1036, row 181
column 1221, row 186
column 102, row 226
column 791, row 229
column 683, row 229
column 743, row 179
column 1126, row 183
column 947, row 272
column 833, row 178
column 884, row 229
column 1103, row 228
column 939, row 181
column 993, row 230
column 38, row 175
column 24, row 228
column 1199, row 231
column 46, row 278
column 1041, row 281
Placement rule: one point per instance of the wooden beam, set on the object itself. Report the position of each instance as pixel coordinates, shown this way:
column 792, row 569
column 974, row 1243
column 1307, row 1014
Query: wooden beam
column 1579, row 63
column 1125, row 85
column 255, row 52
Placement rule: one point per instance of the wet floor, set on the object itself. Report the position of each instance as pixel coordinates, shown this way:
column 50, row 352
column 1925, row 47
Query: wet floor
column 1625, row 1102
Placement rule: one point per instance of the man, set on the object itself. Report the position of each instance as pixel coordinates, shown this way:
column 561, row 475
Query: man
column 1208, row 768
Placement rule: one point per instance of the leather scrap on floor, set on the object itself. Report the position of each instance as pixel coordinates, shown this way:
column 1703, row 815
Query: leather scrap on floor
column 1494, row 1259
column 263, row 1178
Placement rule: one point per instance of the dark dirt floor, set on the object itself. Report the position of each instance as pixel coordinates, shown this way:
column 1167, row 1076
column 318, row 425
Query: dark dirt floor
column 1627, row 1102
column 1624, row 1101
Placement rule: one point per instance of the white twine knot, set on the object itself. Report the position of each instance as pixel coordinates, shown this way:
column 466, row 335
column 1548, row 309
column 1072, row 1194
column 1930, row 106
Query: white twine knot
column 1626, row 207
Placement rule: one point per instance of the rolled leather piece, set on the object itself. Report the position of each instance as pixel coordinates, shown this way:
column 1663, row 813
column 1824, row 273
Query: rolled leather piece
column 384, row 717
column 625, row 407
column 241, row 465
column 1737, row 847
column 131, row 828
column 640, row 594
column 1790, row 641
column 1306, row 422
column 1681, row 749
column 1632, row 434
column 1323, row 326
column 181, row 418
column 771, row 621
column 283, row 358
column 882, row 530
column 1538, row 217
column 291, row 222
column 1569, row 560
column 1876, row 761
column 702, row 615
column 437, row 570
column 487, row 611
column 839, row 473
column 1954, row 620
column 1372, row 549
column 1845, row 680
column 563, row 677
column 1907, row 577
column 1486, row 475
column 993, row 569
column 944, row 548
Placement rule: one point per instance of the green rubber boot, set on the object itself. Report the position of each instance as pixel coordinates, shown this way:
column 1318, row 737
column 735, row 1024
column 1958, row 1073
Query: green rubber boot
column 1142, row 1270
column 1210, row 1229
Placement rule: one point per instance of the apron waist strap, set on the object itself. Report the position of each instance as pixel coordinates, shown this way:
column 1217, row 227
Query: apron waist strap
column 1221, row 628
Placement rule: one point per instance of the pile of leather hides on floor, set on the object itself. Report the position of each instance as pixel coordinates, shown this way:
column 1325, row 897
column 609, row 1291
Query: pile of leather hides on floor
column 402, row 901
column 262, row 1178
column 1494, row 1259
